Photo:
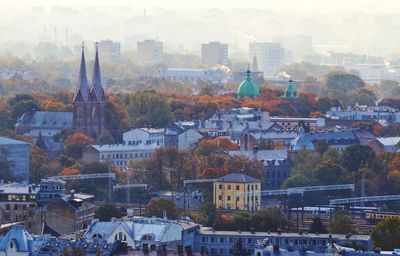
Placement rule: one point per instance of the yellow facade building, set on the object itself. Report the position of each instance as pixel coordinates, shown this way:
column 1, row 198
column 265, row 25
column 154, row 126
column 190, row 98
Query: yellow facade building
column 237, row 191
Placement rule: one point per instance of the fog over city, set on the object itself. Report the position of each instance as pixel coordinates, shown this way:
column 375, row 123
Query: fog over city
column 348, row 26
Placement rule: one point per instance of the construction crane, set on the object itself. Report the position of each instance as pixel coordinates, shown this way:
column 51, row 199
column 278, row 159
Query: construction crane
column 85, row 176
column 127, row 187
column 365, row 199
column 108, row 175
column 198, row 181
column 300, row 190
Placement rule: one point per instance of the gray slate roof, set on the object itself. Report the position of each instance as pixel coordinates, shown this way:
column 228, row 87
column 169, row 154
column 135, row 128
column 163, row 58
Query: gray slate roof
column 7, row 141
column 237, row 177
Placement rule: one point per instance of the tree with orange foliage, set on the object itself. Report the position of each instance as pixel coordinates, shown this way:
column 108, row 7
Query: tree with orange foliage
column 75, row 143
column 69, row 171
column 209, row 146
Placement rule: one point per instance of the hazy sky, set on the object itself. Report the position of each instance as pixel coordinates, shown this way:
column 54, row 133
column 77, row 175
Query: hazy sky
column 363, row 26
column 300, row 5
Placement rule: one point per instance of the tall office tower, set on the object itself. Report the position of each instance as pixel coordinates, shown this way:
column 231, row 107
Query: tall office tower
column 269, row 57
column 149, row 52
column 214, row 53
column 109, row 51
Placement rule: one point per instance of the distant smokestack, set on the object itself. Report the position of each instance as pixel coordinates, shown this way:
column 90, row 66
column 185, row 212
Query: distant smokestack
column 55, row 34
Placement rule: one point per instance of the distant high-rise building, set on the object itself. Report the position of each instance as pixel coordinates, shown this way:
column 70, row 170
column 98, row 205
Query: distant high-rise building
column 149, row 52
column 214, row 53
column 109, row 50
column 269, row 57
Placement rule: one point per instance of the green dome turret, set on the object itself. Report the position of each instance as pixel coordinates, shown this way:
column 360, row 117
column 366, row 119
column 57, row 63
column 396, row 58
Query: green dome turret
column 291, row 91
column 248, row 88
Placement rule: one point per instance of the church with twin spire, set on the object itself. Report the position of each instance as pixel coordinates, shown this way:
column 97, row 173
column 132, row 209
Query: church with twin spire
column 89, row 100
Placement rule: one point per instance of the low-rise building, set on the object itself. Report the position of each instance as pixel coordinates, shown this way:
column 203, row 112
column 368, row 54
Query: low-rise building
column 144, row 136
column 18, row 241
column 118, row 154
column 293, row 123
column 43, row 123
column 237, row 191
column 14, row 156
column 138, row 233
column 193, row 75
column 365, row 113
column 334, row 139
column 188, row 139
column 222, row 243
column 278, row 166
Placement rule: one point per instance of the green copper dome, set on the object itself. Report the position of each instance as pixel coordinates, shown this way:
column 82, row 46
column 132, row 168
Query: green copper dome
column 291, row 91
column 248, row 88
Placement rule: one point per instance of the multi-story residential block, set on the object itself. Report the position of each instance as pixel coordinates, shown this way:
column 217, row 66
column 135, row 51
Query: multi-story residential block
column 144, row 136
column 237, row 191
column 214, row 53
column 117, row 154
column 14, row 155
column 18, row 203
column 291, row 123
column 269, row 57
column 149, row 52
column 46, row 203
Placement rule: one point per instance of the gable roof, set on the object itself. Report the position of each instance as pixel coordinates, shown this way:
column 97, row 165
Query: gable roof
column 19, row 235
column 9, row 141
column 237, row 177
column 389, row 141
column 48, row 119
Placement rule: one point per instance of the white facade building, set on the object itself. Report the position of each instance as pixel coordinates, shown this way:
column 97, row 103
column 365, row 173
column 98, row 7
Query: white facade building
column 269, row 56
column 118, row 154
column 144, row 136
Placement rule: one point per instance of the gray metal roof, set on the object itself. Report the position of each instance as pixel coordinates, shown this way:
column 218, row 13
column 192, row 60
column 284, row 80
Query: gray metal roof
column 266, row 155
column 8, row 141
column 238, row 177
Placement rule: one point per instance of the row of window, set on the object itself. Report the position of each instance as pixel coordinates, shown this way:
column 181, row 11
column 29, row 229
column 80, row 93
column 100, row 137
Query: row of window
column 126, row 155
column 23, row 198
column 17, row 207
column 229, row 186
column 277, row 174
column 228, row 198
column 251, row 240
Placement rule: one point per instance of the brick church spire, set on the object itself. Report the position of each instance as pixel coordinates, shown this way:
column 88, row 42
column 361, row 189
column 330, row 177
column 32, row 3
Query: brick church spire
column 97, row 89
column 82, row 90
